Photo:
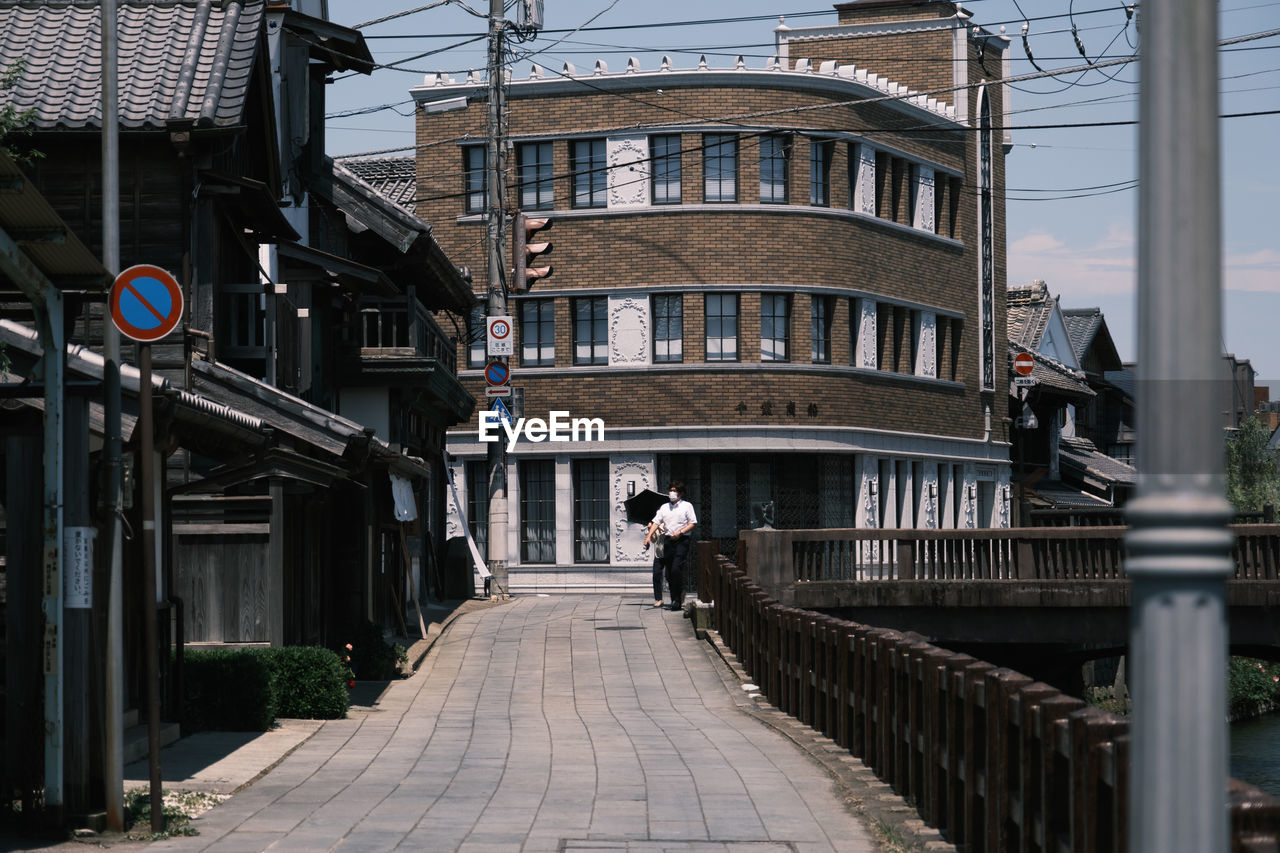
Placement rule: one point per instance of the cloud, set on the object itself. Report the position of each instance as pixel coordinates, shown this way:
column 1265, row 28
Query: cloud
column 1254, row 271
column 1105, row 266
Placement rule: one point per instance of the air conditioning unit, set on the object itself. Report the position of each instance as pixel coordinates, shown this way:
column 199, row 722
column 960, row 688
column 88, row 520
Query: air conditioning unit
column 530, row 14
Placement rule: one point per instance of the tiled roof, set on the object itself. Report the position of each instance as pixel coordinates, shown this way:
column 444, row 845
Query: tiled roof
column 179, row 60
column 1056, row 493
column 1082, row 453
column 1028, row 310
column 1082, row 325
column 1052, row 374
column 394, row 178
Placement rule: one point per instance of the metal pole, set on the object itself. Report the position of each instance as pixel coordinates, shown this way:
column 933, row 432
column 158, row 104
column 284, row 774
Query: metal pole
column 50, row 318
column 497, row 297
column 113, row 743
column 146, row 478
column 1179, row 542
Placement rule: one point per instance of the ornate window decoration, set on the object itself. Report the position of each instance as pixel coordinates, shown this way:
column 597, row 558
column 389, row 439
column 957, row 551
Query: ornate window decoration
column 986, row 230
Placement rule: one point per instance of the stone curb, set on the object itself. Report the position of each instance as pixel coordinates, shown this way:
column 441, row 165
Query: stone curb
column 862, row 791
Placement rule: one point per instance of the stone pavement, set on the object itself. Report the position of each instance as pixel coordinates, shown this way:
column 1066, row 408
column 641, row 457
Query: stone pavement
column 566, row 723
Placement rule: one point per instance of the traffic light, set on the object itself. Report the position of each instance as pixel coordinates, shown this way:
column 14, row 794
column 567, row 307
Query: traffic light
column 523, row 252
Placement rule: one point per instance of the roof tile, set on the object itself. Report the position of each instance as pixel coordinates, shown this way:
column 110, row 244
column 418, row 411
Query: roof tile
column 60, row 44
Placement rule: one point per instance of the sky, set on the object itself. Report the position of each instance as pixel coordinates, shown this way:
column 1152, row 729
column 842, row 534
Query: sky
column 1071, row 202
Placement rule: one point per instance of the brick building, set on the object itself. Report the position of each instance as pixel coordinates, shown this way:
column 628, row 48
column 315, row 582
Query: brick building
column 779, row 283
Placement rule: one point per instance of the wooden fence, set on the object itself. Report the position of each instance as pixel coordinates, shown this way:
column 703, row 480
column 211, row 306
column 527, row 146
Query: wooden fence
column 1019, row 553
column 992, row 759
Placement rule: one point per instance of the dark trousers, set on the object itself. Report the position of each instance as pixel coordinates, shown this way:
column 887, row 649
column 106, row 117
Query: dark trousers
column 672, row 563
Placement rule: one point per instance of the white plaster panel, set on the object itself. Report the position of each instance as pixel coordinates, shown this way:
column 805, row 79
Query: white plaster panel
column 866, row 355
column 564, row 511
column 453, row 516
column 628, row 539
column 969, row 496
column 864, row 186
column 628, row 175
column 905, row 490
column 513, row 514
column 929, row 497
column 924, row 199
column 1002, row 498
column 926, row 337
column 628, row 330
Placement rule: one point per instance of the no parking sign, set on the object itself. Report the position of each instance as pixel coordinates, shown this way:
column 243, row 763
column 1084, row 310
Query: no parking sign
column 146, row 303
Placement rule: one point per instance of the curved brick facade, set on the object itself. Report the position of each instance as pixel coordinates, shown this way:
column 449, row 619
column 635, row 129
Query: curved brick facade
column 892, row 427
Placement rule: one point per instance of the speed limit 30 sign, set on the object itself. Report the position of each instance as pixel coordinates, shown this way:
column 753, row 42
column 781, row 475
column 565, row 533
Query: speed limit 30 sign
column 500, row 338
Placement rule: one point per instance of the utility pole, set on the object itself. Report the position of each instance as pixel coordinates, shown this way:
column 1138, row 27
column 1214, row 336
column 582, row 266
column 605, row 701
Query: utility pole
column 1179, row 543
column 496, row 305
column 113, row 742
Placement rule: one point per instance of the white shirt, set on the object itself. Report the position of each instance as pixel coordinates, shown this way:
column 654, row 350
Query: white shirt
column 675, row 516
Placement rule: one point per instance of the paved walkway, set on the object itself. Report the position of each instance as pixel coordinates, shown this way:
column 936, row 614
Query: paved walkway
column 569, row 723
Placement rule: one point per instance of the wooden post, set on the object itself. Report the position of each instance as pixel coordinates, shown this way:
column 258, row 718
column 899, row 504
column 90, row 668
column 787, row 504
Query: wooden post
column 78, row 703
column 23, row 677
column 413, row 583
column 150, row 650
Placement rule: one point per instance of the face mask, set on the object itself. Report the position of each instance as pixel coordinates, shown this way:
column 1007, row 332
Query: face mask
column 674, row 496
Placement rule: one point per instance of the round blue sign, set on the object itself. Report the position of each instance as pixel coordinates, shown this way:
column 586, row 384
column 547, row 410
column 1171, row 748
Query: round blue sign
column 496, row 373
column 146, row 303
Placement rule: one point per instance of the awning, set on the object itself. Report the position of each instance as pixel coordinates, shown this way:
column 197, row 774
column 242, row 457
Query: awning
column 251, row 205
column 36, row 245
column 340, row 48
column 299, row 261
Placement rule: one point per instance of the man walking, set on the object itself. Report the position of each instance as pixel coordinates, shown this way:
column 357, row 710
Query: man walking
column 674, row 520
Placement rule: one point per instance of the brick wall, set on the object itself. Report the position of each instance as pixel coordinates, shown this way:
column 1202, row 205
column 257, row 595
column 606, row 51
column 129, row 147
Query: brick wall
column 744, row 247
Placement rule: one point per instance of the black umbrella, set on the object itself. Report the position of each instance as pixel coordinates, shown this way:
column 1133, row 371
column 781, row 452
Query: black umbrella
column 641, row 508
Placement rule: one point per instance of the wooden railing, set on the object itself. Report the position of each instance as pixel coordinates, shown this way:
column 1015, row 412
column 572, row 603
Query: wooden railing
column 1025, row 553
column 991, row 758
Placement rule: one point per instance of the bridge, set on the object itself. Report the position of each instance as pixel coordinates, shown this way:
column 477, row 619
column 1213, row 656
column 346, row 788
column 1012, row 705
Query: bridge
column 998, row 585
column 991, row 757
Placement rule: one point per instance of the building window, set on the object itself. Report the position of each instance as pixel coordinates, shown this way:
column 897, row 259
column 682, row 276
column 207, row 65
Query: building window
column 722, row 327
column 537, row 511
column 537, row 332
column 591, row 330
column 475, row 167
column 721, row 156
column 820, row 329
column 820, row 172
column 478, row 504
column 665, row 151
column 775, row 326
column 246, row 334
column 775, row 157
column 668, row 327
column 533, row 161
column 590, row 511
column 589, row 172
column 477, row 334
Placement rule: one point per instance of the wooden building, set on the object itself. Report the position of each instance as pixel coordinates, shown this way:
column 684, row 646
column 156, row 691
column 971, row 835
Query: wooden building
column 309, row 375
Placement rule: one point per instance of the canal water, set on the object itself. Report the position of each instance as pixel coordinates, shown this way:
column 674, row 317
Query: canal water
column 1255, row 752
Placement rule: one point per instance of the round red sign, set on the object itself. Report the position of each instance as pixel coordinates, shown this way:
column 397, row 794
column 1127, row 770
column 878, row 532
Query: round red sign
column 1023, row 363
column 146, row 303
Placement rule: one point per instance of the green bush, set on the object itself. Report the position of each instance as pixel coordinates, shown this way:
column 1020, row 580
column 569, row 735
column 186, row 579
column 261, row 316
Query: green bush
column 373, row 658
column 244, row 690
column 311, row 682
column 229, row 690
column 1253, row 687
